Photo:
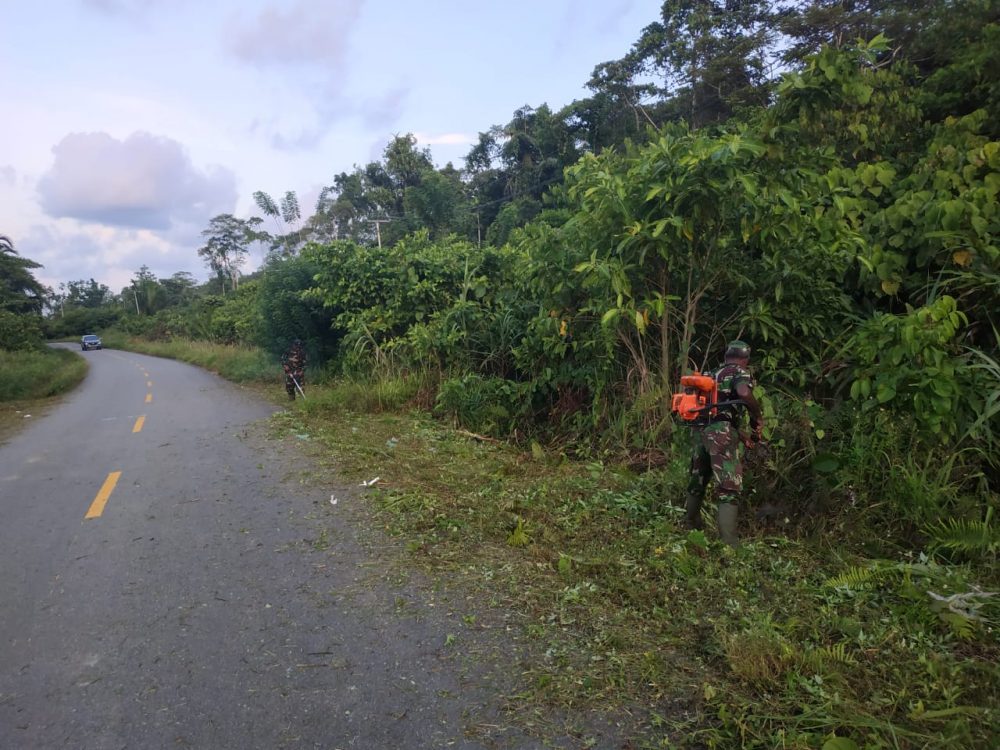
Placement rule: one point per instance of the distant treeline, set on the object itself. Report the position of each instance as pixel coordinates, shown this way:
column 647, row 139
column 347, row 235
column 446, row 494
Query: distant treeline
column 821, row 179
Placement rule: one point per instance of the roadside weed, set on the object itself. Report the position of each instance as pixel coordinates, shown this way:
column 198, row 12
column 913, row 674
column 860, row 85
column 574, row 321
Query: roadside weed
column 788, row 641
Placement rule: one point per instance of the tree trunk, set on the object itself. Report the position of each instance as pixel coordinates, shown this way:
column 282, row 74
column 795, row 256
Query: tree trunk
column 665, row 359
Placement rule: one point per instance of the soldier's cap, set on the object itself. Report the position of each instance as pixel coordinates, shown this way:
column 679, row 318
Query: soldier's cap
column 738, row 349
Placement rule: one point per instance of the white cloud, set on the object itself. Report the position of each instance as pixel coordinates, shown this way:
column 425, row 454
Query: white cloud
column 69, row 250
column 302, row 49
column 383, row 111
column 306, row 32
column 116, row 7
column 144, row 181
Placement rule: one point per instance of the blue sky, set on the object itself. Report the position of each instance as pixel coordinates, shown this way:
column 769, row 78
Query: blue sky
column 128, row 124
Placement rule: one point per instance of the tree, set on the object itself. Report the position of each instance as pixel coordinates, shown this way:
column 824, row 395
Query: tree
column 711, row 57
column 368, row 205
column 143, row 293
column 673, row 247
column 343, row 208
column 287, row 313
column 511, row 168
column 290, row 231
column 20, row 291
column 178, row 289
column 814, row 24
column 438, row 203
column 405, row 164
column 228, row 241
column 619, row 108
column 87, row 294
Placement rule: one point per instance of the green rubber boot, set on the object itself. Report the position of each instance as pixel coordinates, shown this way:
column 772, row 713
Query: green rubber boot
column 727, row 524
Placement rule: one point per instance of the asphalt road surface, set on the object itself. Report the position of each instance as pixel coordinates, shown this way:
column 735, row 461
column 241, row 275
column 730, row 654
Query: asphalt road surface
column 172, row 579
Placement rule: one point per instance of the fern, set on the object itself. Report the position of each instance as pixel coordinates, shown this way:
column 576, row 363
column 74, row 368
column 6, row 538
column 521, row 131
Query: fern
column 858, row 578
column 519, row 536
column 818, row 658
column 964, row 535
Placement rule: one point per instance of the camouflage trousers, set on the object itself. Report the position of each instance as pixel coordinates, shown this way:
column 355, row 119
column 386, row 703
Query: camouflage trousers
column 298, row 375
column 717, row 456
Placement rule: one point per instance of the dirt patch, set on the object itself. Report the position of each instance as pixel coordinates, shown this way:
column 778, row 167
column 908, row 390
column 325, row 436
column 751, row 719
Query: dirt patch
column 16, row 416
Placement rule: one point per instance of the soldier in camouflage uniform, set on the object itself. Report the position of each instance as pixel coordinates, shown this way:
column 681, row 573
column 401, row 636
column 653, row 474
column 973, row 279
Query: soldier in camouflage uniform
column 293, row 362
column 717, row 448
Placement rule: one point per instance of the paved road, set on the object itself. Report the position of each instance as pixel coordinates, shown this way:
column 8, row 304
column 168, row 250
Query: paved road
column 164, row 584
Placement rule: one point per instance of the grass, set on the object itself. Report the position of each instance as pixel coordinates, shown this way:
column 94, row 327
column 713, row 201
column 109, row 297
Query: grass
column 790, row 641
column 39, row 374
column 30, row 380
column 239, row 364
column 619, row 610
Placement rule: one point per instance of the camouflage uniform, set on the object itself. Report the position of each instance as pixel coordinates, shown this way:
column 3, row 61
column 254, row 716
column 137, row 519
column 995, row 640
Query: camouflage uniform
column 716, row 454
column 293, row 362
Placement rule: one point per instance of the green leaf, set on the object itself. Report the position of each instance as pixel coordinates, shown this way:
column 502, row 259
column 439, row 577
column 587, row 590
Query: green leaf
column 826, row 463
column 885, row 393
column 610, row 315
column 696, row 538
column 840, row 743
column 565, row 565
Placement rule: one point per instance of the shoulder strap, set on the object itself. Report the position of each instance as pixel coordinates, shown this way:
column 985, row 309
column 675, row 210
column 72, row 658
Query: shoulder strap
column 725, row 371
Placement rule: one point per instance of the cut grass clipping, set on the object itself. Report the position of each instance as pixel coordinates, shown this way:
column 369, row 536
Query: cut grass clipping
column 785, row 640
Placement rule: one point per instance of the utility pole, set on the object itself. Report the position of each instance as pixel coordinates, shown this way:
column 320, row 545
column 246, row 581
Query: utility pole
column 136, row 295
column 378, row 229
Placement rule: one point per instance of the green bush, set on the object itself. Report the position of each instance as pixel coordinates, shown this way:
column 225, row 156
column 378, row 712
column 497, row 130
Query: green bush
column 39, row 373
column 488, row 405
column 286, row 312
column 76, row 322
column 19, row 332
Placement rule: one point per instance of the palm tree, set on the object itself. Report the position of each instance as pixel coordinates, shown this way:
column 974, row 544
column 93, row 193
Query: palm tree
column 20, row 291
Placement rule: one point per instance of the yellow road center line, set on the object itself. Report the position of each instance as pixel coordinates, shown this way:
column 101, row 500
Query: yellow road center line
column 149, row 398
column 138, row 423
column 97, row 507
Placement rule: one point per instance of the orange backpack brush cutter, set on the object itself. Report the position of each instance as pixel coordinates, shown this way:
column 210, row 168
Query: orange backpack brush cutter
column 697, row 400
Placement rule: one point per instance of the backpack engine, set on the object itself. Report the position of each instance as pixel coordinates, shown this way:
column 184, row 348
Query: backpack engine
column 696, row 398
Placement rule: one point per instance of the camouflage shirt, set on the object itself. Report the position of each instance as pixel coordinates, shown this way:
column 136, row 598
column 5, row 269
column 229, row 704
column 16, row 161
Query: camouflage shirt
column 727, row 378
column 294, row 360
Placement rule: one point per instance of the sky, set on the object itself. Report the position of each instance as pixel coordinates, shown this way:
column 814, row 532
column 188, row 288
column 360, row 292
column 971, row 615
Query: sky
column 128, row 124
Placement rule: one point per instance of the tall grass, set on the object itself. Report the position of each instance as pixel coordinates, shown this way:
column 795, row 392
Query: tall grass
column 240, row 364
column 363, row 396
column 39, row 374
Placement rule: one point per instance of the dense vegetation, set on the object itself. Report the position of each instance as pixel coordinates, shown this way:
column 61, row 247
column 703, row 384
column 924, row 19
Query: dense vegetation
column 27, row 370
column 820, row 178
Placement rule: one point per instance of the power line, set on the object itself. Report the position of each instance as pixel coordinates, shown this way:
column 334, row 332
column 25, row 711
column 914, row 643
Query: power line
column 544, row 183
